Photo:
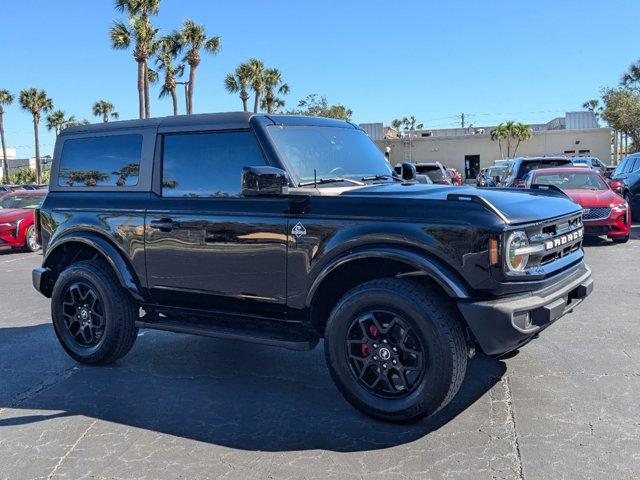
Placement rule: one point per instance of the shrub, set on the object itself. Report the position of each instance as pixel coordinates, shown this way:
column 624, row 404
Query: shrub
column 22, row 175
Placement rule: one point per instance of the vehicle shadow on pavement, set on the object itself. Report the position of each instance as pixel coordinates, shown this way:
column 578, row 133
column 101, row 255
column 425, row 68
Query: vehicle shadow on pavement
column 236, row 395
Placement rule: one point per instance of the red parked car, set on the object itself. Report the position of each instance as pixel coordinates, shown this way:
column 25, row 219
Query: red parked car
column 456, row 178
column 605, row 212
column 17, row 219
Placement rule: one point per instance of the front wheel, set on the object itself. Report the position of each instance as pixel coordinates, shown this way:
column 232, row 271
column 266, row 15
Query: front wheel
column 93, row 316
column 396, row 350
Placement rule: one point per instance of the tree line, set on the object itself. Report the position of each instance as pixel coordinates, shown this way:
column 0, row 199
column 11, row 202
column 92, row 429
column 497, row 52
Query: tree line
column 620, row 106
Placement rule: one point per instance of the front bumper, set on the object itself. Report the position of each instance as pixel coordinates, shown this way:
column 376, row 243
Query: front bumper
column 617, row 224
column 504, row 324
column 41, row 281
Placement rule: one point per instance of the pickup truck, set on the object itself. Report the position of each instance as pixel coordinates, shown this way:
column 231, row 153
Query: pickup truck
column 288, row 230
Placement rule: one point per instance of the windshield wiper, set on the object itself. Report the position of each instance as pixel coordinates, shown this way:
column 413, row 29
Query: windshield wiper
column 321, row 181
column 380, row 177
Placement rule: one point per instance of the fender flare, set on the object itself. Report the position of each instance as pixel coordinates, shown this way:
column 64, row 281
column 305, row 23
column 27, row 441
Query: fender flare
column 111, row 254
column 423, row 265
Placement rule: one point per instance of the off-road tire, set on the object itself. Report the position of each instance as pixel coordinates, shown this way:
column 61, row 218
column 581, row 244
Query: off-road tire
column 120, row 313
column 440, row 328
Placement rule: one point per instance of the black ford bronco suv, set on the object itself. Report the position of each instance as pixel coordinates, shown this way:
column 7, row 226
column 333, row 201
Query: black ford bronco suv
column 283, row 230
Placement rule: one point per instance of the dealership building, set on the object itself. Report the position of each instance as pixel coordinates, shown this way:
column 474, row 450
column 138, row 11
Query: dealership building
column 470, row 149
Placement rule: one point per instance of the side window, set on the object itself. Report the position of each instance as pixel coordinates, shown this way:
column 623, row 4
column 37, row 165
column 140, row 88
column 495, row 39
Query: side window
column 636, row 165
column 207, row 164
column 630, row 165
column 598, row 163
column 621, row 166
column 108, row 161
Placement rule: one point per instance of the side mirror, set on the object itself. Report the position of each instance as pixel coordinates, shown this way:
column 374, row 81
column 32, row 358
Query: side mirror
column 616, row 186
column 264, row 181
column 408, row 171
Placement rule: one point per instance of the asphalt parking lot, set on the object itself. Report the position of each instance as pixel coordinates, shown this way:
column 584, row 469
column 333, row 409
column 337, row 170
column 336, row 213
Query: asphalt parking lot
column 566, row 406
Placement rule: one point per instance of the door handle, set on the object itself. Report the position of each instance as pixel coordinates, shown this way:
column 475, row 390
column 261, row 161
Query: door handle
column 164, row 224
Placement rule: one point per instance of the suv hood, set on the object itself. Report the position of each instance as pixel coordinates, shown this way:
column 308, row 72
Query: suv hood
column 517, row 205
column 595, row 198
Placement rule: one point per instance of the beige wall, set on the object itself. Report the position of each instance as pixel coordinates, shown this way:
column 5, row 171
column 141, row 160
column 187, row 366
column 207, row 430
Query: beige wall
column 451, row 150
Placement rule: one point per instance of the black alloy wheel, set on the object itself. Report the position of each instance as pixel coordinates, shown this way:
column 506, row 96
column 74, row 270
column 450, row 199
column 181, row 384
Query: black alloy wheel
column 83, row 313
column 384, row 354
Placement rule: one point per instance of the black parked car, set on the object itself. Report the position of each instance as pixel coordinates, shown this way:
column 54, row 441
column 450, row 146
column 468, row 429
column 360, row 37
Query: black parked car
column 282, row 230
column 625, row 179
column 520, row 167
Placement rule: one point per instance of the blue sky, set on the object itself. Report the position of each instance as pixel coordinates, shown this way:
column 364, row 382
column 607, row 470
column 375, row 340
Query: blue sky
column 494, row 60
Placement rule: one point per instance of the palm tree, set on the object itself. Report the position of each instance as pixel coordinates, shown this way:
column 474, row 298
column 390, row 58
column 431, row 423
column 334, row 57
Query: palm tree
column 57, row 121
column 239, row 81
column 5, row 99
column 511, row 131
column 407, row 123
column 499, row 133
column 193, row 38
column 272, row 79
column 36, row 102
column 141, row 32
column 104, row 109
column 256, row 67
column 167, row 52
column 631, row 78
column 521, row 133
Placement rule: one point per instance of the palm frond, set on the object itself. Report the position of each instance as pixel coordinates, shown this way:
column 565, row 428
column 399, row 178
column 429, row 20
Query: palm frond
column 120, row 36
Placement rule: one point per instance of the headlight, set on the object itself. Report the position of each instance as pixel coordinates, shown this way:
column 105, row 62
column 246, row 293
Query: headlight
column 515, row 256
column 619, row 208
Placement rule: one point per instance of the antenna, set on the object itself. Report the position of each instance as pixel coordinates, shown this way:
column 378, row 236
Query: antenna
column 315, row 180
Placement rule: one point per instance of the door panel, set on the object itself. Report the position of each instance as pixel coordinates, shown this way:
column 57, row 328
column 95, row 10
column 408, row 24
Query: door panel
column 211, row 254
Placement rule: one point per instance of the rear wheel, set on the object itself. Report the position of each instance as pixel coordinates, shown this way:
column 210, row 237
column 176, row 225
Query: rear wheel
column 93, row 316
column 31, row 241
column 396, row 350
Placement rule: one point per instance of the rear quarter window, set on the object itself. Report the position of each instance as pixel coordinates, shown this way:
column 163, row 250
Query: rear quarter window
column 104, row 161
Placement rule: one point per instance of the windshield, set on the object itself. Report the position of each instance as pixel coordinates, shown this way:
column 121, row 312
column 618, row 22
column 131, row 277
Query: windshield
column 587, row 180
column 434, row 172
column 329, row 151
column 496, row 171
column 22, row 201
column 536, row 164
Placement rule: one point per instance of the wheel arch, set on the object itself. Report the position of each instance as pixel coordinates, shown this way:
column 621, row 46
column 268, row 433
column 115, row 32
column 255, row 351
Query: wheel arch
column 361, row 265
column 81, row 246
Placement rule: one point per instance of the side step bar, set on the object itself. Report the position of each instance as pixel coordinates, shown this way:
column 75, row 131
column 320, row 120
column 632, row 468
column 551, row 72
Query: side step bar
column 292, row 341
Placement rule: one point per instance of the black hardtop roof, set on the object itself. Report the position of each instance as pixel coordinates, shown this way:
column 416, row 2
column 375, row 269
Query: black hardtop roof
column 227, row 119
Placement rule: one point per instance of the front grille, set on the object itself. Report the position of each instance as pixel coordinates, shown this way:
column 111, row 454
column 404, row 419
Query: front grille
column 560, row 238
column 601, row 230
column 596, row 213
